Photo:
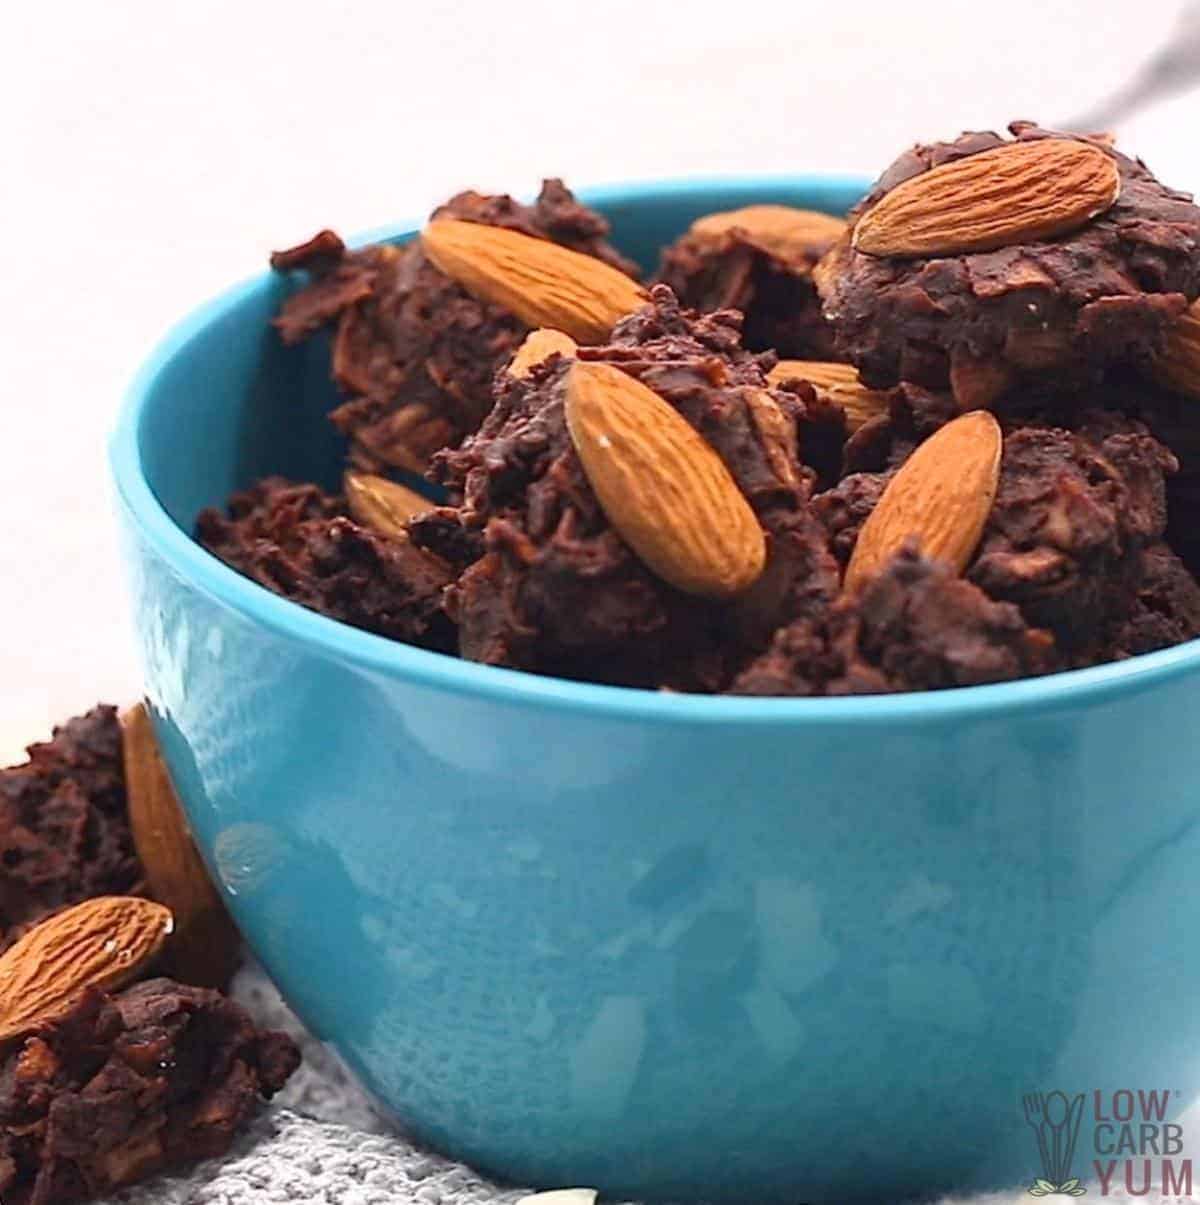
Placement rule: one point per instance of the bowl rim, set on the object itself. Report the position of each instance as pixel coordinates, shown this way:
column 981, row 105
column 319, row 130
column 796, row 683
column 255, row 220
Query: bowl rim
column 393, row 659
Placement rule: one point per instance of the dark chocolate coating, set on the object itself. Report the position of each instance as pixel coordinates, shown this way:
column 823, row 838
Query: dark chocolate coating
column 1082, row 493
column 1073, row 512
column 298, row 541
column 1068, row 306
column 558, row 590
column 1165, row 610
column 1086, row 555
column 777, row 297
column 64, row 830
column 916, row 626
column 414, row 352
column 127, row 1085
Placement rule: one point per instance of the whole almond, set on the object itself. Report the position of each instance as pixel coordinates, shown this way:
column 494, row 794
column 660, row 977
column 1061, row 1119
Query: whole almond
column 820, row 373
column 1016, row 193
column 206, row 947
column 382, row 505
column 103, row 942
column 794, row 235
column 837, row 383
column 542, row 283
column 663, row 488
column 942, row 495
column 539, row 346
column 1178, row 367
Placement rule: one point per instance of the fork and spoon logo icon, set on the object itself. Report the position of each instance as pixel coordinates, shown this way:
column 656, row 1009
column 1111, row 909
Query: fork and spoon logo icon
column 1054, row 1118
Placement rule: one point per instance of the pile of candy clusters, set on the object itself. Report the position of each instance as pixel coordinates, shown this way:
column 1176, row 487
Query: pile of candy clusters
column 947, row 440
column 110, row 1071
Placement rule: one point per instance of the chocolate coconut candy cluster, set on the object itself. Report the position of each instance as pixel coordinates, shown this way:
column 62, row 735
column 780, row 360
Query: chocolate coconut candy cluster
column 414, row 346
column 110, row 1072
column 949, row 440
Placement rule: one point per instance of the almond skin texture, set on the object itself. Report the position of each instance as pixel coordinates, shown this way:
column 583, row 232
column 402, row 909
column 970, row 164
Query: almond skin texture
column 540, row 282
column 837, row 383
column 539, row 346
column 103, row 942
column 382, row 505
column 663, row 488
column 1017, row 193
column 1178, row 367
column 779, row 230
column 821, row 374
column 941, row 495
column 206, row 947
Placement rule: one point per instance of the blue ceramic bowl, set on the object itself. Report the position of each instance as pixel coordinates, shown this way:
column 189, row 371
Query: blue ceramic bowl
column 676, row 947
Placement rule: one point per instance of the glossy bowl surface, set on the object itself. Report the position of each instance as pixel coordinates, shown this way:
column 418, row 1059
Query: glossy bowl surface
column 675, row 947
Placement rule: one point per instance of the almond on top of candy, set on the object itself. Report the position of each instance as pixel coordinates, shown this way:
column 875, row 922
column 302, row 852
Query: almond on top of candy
column 420, row 329
column 642, row 552
column 982, row 262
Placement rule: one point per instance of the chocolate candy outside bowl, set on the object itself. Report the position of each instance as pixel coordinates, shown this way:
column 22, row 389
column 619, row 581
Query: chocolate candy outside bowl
column 676, row 947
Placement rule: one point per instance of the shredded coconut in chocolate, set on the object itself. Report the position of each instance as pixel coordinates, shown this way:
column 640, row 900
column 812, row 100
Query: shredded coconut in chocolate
column 64, row 832
column 1086, row 554
column 414, row 352
column 1068, row 306
column 126, row 1085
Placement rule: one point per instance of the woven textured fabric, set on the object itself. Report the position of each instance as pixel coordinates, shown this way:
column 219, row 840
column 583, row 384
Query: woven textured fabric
column 322, row 1142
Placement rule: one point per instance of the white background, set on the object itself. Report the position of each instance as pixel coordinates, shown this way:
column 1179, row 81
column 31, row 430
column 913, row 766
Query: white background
column 154, row 151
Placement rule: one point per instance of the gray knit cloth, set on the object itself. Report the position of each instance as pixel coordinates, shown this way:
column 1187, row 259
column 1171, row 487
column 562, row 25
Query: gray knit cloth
column 295, row 1150
column 321, row 1141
